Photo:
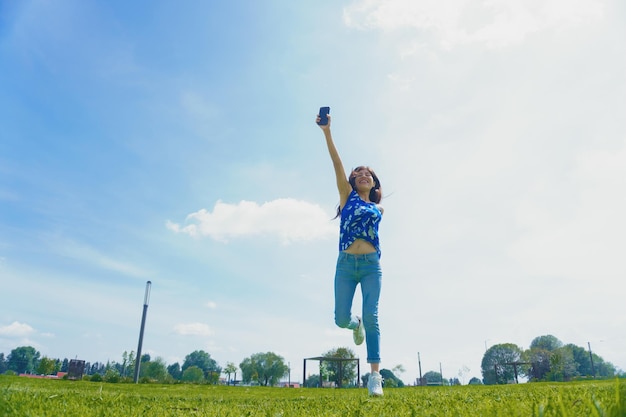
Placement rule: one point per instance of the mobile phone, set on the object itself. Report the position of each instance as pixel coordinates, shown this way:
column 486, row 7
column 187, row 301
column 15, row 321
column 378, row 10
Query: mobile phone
column 324, row 116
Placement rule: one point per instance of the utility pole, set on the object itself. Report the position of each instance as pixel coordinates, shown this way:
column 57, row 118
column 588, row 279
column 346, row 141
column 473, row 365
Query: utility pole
column 146, row 299
column 419, row 363
column 441, row 374
column 593, row 369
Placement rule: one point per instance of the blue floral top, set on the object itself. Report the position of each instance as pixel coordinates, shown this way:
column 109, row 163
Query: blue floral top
column 359, row 220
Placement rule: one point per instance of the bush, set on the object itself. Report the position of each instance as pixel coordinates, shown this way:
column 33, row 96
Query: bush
column 193, row 374
column 96, row 378
column 112, row 376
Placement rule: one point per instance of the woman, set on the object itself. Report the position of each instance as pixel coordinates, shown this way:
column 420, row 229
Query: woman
column 359, row 256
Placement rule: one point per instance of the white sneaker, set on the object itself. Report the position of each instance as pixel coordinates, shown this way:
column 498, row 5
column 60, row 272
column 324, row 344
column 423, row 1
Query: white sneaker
column 358, row 334
column 375, row 384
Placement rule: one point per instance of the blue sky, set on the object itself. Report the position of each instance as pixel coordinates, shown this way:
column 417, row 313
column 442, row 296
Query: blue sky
column 176, row 143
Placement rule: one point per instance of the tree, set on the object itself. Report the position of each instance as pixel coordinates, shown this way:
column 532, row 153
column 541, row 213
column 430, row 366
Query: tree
column 175, row 371
column 584, row 366
column 365, row 379
column 462, row 372
column 128, row 363
column 540, row 360
column 563, row 367
column 433, row 378
column 23, row 359
column 475, row 381
column 391, row 381
column 454, row 381
column 3, row 364
column 231, row 368
column 154, row 370
column 202, row 360
column 312, row 381
column 46, row 366
column 545, row 362
column 346, row 370
column 581, row 358
column 131, row 362
column 193, row 374
column 97, row 368
column 547, row 342
column 264, row 368
column 603, row 369
column 399, row 369
column 495, row 366
column 550, row 360
column 112, row 375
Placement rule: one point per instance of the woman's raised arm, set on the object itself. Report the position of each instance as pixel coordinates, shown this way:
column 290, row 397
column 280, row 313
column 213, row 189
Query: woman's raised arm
column 343, row 186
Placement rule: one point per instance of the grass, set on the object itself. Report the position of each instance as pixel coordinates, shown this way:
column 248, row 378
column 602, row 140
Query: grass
column 27, row 397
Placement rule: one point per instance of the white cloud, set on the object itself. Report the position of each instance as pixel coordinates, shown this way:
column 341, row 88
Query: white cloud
column 16, row 329
column 286, row 218
column 193, row 329
column 211, row 304
column 492, row 22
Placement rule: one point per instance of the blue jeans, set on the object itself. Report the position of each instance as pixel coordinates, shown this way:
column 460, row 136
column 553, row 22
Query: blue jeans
column 351, row 271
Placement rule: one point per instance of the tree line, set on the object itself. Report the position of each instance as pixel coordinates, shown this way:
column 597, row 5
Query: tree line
column 547, row 359
column 263, row 368
column 198, row 366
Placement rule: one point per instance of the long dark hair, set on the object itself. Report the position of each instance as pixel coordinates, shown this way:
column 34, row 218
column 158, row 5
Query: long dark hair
column 376, row 193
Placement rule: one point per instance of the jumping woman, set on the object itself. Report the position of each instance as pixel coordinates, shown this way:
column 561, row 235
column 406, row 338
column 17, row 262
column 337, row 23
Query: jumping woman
column 359, row 256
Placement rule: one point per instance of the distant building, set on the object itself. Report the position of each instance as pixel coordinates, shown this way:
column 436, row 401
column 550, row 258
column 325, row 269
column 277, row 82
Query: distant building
column 76, row 369
column 289, row 384
column 58, row 375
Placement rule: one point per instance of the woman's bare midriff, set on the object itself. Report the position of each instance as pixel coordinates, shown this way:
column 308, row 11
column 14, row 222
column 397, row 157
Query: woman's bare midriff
column 360, row 247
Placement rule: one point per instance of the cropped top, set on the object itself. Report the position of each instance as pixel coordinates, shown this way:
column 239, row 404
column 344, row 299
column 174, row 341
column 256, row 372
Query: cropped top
column 359, row 220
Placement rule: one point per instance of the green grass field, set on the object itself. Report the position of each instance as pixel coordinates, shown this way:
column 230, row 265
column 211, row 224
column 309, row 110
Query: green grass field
column 27, row 397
